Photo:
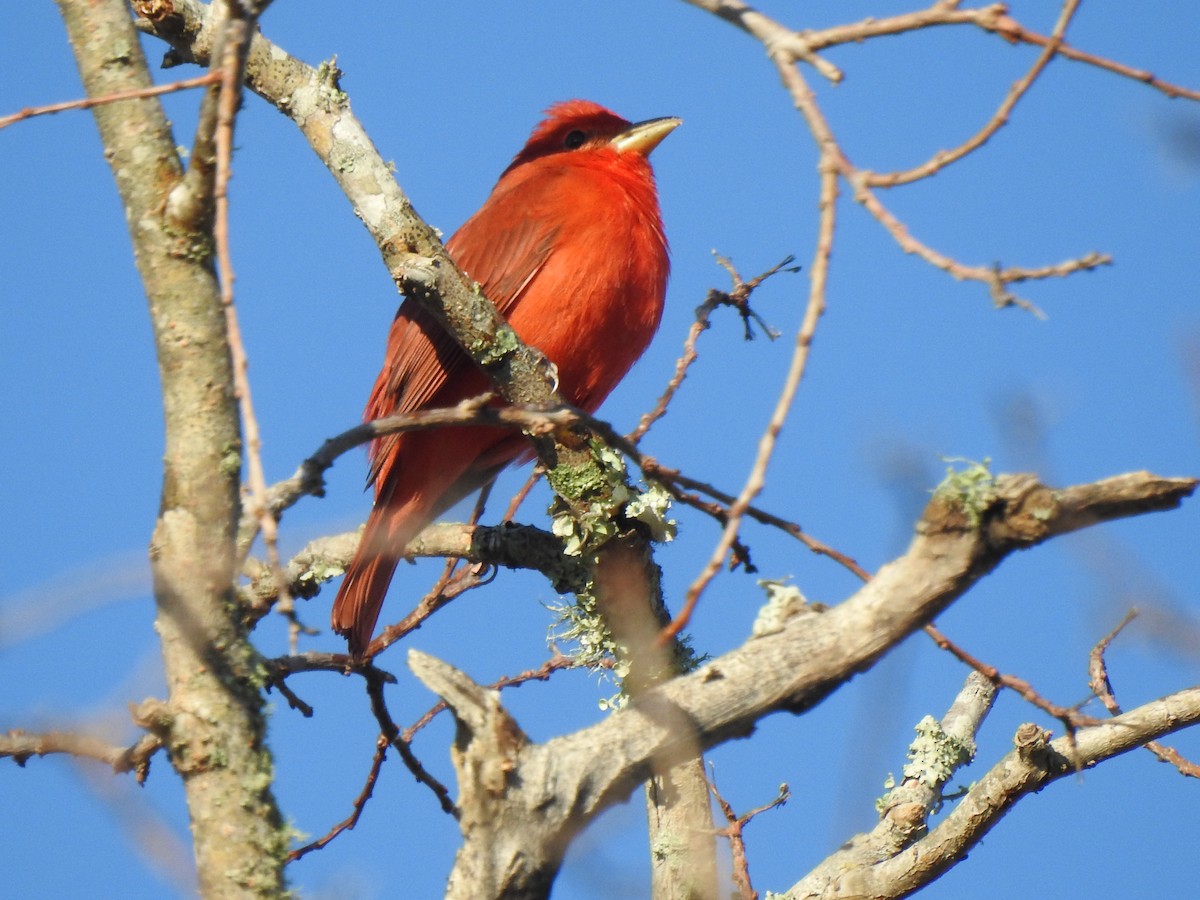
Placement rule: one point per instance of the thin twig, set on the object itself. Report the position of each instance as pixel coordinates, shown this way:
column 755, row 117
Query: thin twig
column 29, row 112
column 739, row 298
column 1013, row 31
column 994, row 18
column 766, row 445
column 236, row 45
column 1102, row 688
column 360, row 803
column 675, row 481
column 998, row 120
column 1070, row 716
column 391, row 732
column 734, row 829
column 451, row 584
column 519, row 497
column 477, row 411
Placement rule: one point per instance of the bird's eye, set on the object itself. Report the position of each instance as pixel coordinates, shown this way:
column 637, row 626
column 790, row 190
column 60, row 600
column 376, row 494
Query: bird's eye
column 575, row 140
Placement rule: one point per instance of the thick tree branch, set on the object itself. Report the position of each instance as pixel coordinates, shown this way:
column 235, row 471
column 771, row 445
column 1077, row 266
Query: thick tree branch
column 508, row 545
column 213, row 724
column 411, row 249
column 526, row 800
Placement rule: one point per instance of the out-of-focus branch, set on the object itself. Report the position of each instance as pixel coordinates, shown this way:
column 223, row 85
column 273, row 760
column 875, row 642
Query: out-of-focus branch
column 20, row 745
column 213, row 724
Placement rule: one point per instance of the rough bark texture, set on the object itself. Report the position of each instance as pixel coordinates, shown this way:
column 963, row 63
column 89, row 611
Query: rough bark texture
column 530, row 799
column 212, row 723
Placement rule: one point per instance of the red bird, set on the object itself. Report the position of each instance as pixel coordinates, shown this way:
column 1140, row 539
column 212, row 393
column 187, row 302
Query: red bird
column 570, row 248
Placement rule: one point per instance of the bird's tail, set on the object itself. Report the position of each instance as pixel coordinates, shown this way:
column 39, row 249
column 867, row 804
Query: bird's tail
column 360, row 598
column 440, row 472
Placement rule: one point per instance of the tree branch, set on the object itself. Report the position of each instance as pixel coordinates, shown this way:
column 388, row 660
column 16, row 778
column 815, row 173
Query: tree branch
column 524, row 801
column 906, row 808
column 1035, row 762
column 213, row 724
column 20, row 745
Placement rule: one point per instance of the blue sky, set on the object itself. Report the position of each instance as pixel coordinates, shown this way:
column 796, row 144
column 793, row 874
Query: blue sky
column 908, row 366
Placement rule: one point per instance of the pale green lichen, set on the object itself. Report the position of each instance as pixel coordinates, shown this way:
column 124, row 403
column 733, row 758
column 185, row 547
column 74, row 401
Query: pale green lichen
column 317, row 574
column 231, row 459
column 650, row 507
column 590, row 524
column 584, row 529
column 971, row 488
column 667, row 845
column 784, row 601
column 581, row 533
column 329, row 78
column 489, row 352
column 934, row 756
column 577, row 482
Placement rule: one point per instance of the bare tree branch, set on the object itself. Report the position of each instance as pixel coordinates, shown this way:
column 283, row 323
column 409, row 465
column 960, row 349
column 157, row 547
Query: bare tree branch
column 1102, row 688
column 20, row 745
column 156, row 90
column 786, row 47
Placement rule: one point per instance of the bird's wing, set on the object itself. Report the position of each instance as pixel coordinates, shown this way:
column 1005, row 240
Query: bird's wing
column 502, row 248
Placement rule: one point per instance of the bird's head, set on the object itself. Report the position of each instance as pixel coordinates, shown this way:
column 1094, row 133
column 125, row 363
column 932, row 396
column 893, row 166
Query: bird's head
column 574, row 126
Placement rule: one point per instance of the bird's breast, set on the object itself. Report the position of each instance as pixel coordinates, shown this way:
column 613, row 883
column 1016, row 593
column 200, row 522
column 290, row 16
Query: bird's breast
column 595, row 304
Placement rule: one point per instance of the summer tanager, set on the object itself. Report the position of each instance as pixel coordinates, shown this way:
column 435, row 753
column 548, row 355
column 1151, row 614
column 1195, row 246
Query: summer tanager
column 570, row 248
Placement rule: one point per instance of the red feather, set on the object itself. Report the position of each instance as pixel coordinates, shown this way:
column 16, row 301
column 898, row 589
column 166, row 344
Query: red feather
column 570, row 248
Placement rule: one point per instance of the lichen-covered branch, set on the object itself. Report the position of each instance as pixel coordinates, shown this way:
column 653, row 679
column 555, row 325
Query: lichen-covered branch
column 411, row 249
column 940, row 750
column 1035, row 762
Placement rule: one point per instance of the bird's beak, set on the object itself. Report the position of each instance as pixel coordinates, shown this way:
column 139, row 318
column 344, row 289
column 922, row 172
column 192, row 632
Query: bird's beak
column 645, row 136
